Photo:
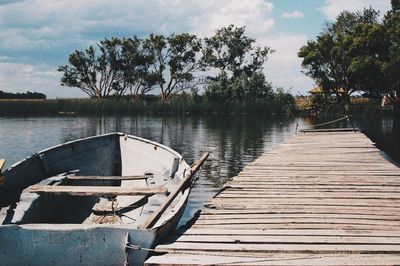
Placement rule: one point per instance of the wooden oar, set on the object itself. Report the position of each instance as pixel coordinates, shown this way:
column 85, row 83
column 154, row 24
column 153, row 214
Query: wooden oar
column 157, row 214
column 2, row 178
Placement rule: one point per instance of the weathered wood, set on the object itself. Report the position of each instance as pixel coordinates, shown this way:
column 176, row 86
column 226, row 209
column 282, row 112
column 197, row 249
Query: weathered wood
column 2, row 178
column 292, row 232
column 157, row 214
column 136, row 177
column 263, row 239
column 321, row 198
column 101, row 191
column 284, row 248
column 240, row 258
column 2, row 163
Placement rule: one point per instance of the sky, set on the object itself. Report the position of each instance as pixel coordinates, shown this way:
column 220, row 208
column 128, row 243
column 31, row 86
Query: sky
column 36, row 36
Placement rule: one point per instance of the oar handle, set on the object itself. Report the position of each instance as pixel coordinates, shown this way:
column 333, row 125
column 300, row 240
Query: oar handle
column 2, row 178
column 157, row 214
column 2, row 162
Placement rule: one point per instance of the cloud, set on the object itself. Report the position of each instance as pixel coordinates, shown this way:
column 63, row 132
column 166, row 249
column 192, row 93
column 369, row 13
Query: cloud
column 37, row 35
column 16, row 77
column 332, row 8
column 293, row 15
column 255, row 15
column 284, row 66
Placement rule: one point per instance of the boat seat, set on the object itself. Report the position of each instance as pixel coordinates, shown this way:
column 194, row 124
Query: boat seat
column 100, row 191
column 94, row 177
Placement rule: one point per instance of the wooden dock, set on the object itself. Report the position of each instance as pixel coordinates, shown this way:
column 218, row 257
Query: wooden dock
column 322, row 198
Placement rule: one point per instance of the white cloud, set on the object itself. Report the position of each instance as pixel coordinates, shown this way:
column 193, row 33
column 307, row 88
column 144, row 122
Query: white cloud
column 283, row 67
column 255, row 15
column 32, row 31
column 16, row 77
column 293, row 15
column 332, row 8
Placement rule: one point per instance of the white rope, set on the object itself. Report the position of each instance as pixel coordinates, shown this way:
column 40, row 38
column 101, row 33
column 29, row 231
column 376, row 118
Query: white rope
column 331, row 122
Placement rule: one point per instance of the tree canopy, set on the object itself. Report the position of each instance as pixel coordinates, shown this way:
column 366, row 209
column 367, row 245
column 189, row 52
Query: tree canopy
column 341, row 56
column 239, row 64
column 357, row 52
column 171, row 64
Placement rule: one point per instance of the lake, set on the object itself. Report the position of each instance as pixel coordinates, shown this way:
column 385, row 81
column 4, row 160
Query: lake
column 233, row 141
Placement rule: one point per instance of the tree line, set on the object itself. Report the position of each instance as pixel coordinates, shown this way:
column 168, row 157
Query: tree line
column 227, row 65
column 28, row 95
column 358, row 52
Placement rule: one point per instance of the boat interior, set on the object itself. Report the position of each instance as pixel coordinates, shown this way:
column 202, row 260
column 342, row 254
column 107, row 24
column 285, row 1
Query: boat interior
column 113, row 179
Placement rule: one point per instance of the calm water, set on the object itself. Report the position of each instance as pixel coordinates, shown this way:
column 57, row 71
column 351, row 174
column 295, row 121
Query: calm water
column 233, row 141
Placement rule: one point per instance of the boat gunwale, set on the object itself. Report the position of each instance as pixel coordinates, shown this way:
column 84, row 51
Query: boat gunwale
column 121, row 134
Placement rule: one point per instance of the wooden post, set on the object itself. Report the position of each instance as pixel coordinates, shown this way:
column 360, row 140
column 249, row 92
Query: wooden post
column 157, row 214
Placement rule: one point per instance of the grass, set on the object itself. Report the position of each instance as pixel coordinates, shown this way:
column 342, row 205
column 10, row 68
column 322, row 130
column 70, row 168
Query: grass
column 178, row 105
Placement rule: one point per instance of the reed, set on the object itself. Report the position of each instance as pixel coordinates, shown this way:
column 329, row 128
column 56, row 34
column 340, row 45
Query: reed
column 177, row 105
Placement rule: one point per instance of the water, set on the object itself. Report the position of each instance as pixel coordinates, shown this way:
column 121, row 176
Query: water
column 233, row 141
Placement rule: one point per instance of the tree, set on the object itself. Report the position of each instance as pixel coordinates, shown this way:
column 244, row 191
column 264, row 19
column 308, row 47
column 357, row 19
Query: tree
column 95, row 74
column 341, row 56
column 242, row 88
column 391, row 65
column 175, row 61
column 231, row 51
column 138, row 76
column 239, row 63
column 395, row 5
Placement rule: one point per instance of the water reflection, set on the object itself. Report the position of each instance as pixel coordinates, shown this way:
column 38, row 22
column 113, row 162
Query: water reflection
column 233, row 141
column 384, row 131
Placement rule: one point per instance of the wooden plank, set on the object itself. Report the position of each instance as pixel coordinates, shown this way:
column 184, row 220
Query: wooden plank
column 307, row 194
column 263, row 239
column 285, row 248
column 298, row 211
column 292, row 232
column 312, row 201
column 325, row 226
column 319, row 199
column 297, row 220
column 100, row 191
column 136, row 177
column 329, row 130
column 224, row 258
column 235, row 216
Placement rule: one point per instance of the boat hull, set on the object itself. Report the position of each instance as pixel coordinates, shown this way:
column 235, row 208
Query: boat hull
column 26, row 240
column 72, row 245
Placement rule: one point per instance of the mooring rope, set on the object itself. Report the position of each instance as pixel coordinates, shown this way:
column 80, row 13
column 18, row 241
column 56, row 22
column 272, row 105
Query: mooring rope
column 332, row 122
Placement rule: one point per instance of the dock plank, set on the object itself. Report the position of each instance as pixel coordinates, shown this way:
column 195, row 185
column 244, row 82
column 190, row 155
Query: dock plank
column 320, row 198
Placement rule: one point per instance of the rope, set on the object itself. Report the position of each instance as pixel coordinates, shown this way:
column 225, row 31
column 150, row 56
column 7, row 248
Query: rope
column 331, row 122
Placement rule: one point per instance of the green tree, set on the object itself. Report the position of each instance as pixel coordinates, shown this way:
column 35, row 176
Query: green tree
column 138, row 75
column 395, row 5
column 239, row 64
column 391, row 65
column 175, row 61
column 341, row 56
column 96, row 74
column 230, row 50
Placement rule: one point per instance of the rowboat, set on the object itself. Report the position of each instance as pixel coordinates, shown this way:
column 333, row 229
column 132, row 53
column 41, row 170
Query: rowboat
column 102, row 200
